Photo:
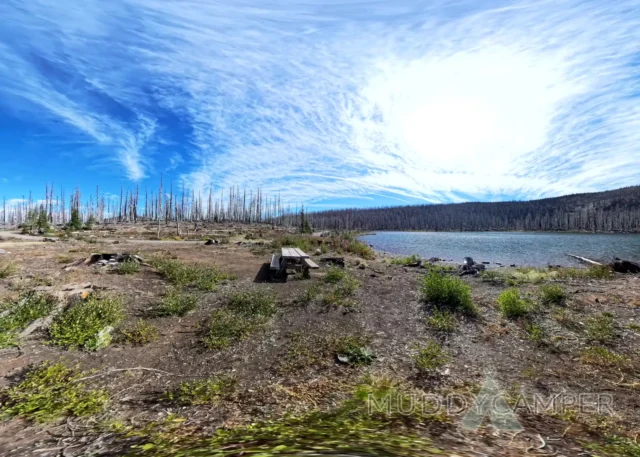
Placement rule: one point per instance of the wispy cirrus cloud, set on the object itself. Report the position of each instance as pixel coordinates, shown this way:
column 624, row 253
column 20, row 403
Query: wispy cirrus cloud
column 322, row 100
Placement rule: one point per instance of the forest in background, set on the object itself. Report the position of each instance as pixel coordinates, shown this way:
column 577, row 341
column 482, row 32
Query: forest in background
column 610, row 211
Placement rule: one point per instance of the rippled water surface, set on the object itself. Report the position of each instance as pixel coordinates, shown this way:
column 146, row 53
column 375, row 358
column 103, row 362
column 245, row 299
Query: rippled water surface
column 520, row 248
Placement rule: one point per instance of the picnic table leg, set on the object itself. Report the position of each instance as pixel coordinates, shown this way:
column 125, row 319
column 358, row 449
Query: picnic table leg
column 283, row 268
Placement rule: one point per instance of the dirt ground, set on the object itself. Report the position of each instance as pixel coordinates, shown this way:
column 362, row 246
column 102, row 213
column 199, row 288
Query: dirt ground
column 389, row 313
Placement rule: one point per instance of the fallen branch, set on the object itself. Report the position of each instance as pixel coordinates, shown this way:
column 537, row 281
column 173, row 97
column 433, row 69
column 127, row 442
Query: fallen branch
column 585, row 260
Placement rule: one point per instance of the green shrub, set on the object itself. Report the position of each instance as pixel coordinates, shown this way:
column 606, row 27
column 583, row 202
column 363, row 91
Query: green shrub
column 176, row 302
column 431, row 357
column 253, row 303
column 27, row 309
column 129, row 267
column 140, row 333
column 602, row 357
column 442, row 321
column 334, row 275
column 354, row 348
column 7, row 269
column 50, row 392
column 308, row 295
column 226, row 328
column 592, row 272
column 552, row 294
column 447, row 292
column 202, row 277
column 412, row 259
column 511, row 305
column 201, row 392
column 88, row 324
column 535, row 333
column 600, row 328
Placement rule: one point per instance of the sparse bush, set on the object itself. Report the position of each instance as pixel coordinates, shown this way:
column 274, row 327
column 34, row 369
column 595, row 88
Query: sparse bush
column 552, row 294
column 88, row 324
column 199, row 276
column 412, row 259
column 28, row 308
column 431, row 357
column 447, row 292
column 334, row 274
column 600, row 328
column 129, row 267
column 7, row 269
column 493, row 276
column 308, row 295
column 442, row 321
column 226, row 328
column 50, row 392
column 176, row 302
column 511, row 305
column 535, row 333
column 201, row 392
column 602, row 357
column 592, row 272
column 139, row 334
column 252, row 303
column 354, row 348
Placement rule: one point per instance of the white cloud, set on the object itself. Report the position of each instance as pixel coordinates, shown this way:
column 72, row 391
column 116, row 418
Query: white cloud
column 325, row 100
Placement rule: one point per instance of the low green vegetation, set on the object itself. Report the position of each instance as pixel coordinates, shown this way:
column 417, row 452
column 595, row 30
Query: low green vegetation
column 355, row 348
column 202, row 391
column 340, row 296
column 600, row 328
column 431, row 357
column 349, row 429
column 592, row 272
column 50, row 392
column 201, row 277
column 412, row 259
column 447, row 293
column 511, row 305
column 129, row 267
column 7, row 269
column 88, row 324
column 552, row 294
column 308, row 295
column 23, row 312
column 176, row 302
column 442, row 321
column 140, row 333
column 243, row 313
column 616, row 446
column 602, row 357
column 535, row 333
column 334, row 275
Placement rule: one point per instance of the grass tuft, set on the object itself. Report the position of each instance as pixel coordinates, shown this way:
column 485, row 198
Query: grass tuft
column 129, row 267
column 334, row 275
column 198, row 276
column 442, row 321
column 511, row 305
column 602, row 357
column 412, row 259
column 552, row 294
column 140, row 333
column 447, row 292
column 431, row 357
column 600, row 328
column 201, row 392
column 50, row 392
column 176, row 302
column 88, row 324
column 7, row 269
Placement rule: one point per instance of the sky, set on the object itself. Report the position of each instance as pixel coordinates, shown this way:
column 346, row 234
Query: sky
column 331, row 103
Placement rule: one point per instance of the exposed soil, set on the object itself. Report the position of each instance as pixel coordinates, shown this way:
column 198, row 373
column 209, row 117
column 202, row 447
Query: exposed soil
column 390, row 313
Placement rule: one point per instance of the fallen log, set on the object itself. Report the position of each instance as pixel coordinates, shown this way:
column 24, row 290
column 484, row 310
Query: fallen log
column 585, row 260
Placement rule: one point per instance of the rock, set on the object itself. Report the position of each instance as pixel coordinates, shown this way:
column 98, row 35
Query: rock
column 49, row 240
column 318, row 251
column 342, row 358
column 434, row 259
column 479, row 267
column 486, row 263
column 512, row 265
column 468, row 261
column 625, row 266
column 3, row 252
column 210, row 242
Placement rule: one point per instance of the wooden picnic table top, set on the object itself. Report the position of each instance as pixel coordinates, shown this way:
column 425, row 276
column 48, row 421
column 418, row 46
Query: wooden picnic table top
column 294, row 253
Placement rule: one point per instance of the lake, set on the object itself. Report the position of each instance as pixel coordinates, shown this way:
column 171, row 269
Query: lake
column 520, row 248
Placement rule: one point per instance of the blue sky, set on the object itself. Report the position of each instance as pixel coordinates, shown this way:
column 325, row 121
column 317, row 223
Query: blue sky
column 331, row 103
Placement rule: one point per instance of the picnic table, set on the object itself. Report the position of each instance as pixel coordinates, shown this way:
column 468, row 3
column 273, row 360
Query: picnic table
column 291, row 259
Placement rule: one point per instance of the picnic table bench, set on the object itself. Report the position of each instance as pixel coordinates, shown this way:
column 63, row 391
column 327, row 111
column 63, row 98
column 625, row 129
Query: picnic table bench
column 291, row 259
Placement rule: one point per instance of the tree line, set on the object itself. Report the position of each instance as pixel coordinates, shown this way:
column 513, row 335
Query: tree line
column 166, row 203
column 609, row 211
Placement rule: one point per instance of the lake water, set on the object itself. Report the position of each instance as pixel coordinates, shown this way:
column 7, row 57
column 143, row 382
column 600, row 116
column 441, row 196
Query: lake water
column 520, row 248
